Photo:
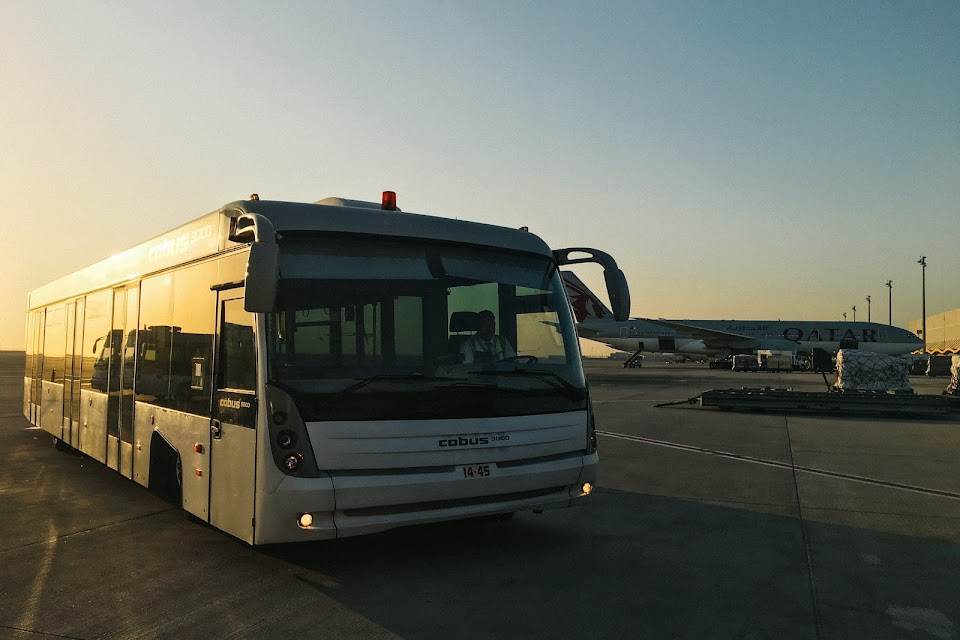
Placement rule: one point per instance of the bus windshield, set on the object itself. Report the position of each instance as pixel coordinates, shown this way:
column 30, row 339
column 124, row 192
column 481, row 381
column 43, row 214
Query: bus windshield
column 379, row 330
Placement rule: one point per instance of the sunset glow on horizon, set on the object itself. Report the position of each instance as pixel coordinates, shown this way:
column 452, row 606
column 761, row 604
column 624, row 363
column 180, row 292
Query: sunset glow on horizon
column 739, row 162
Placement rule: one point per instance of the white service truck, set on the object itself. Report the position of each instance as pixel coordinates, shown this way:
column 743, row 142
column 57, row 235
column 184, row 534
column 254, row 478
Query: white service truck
column 774, row 360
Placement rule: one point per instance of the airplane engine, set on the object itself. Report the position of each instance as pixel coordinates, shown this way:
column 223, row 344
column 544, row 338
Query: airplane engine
column 692, row 346
column 779, row 345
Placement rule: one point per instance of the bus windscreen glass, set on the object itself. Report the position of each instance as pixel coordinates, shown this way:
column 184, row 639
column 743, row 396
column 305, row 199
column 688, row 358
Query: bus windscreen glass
column 380, row 330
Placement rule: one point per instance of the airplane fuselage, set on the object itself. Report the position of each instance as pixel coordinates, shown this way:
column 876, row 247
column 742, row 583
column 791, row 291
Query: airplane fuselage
column 799, row 336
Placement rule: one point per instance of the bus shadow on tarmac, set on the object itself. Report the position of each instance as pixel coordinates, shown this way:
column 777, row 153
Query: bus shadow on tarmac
column 635, row 565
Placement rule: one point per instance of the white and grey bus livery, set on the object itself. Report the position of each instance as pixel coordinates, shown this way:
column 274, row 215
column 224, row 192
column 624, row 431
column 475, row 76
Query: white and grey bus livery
column 291, row 371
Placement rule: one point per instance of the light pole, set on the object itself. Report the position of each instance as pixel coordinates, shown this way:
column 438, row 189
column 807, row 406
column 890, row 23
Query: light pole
column 923, row 288
column 844, row 316
column 868, row 308
column 890, row 302
column 854, row 313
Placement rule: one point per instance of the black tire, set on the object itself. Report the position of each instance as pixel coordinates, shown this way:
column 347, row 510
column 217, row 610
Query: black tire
column 166, row 472
column 60, row 445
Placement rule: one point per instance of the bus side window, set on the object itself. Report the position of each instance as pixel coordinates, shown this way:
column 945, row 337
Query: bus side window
column 194, row 319
column 238, row 356
column 156, row 339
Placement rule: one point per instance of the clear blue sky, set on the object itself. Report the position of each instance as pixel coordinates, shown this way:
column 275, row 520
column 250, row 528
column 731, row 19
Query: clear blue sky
column 741, row 160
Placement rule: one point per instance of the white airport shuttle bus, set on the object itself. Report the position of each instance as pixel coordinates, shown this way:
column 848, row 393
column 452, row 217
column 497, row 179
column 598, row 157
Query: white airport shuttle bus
column 292, row 371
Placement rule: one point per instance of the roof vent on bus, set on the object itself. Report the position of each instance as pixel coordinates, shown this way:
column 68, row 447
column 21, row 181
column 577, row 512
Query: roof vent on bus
column 388, row 203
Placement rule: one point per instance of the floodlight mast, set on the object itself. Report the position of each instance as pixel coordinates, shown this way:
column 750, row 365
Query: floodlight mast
column 923, row 288
column 890, row 302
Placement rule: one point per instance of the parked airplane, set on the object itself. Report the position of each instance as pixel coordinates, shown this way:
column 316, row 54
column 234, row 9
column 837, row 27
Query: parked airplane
column 724, row 337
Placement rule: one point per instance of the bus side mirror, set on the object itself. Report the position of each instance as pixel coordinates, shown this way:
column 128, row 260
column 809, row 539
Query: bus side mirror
column 260, row 284
column 618, row 292
column 617, row 289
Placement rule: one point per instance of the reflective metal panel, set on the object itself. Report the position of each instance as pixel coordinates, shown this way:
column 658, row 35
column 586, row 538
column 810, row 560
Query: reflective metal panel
column 93, row 424
column 51, row 408
column 113, row 446
column 231, row 487
column 126, row 459
column 184, row 432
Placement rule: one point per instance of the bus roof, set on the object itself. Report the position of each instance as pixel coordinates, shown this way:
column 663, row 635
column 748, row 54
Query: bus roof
column 298, row 216
column 208, row 235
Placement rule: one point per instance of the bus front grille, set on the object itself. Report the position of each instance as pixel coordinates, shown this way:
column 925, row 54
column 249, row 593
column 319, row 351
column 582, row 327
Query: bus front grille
column 451, row 504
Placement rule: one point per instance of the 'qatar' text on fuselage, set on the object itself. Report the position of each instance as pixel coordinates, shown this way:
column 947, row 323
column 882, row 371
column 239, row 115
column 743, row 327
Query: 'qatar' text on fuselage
column 795, row 334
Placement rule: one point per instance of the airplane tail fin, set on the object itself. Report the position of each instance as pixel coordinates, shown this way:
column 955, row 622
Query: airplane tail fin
column 583, row 301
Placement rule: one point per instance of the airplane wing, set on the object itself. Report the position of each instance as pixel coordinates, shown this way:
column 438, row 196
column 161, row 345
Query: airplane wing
column 712, row 338
column 585, row 332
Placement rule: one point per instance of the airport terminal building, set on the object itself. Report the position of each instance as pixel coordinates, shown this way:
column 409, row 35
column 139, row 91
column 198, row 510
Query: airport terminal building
column 943, row 332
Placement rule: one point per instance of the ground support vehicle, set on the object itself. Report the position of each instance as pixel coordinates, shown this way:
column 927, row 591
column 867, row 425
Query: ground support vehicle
column 292, row 371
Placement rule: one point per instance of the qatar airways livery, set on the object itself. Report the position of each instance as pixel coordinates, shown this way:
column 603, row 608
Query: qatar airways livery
column 723, row 337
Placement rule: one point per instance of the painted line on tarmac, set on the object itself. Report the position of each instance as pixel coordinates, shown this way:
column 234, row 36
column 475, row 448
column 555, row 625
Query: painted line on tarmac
column 782, row 465
column 39, row 633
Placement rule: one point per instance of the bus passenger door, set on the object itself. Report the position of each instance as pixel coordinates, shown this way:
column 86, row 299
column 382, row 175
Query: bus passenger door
column 233, row 421
column 128, row 360
column 122, row 348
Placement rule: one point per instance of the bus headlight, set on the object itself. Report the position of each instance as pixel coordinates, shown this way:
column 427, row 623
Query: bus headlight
column 292, row 461
column 305, row 520
column 286, row 439
column 289, row 442
column 586, row 489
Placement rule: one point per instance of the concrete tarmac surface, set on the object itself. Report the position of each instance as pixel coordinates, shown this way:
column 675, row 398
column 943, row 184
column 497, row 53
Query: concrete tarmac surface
column 705, row 524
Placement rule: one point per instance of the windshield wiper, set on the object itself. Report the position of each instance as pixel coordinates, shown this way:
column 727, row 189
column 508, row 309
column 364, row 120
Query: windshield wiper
column 558, row 381
column 397, row 377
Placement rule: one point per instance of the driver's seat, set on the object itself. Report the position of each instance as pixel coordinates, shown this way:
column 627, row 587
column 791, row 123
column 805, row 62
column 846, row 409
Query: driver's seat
column 463, row 324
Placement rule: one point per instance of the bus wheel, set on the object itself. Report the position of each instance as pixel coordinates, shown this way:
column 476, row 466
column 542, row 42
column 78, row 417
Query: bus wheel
column 166, row 472
column 60, row 445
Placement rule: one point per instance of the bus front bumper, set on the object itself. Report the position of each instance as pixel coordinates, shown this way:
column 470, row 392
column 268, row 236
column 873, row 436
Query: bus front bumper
column 356, row 503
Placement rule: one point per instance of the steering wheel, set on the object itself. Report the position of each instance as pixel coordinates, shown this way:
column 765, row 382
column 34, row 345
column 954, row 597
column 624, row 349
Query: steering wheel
column 521, row 359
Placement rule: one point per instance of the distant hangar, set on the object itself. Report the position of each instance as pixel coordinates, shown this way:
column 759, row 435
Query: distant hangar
column 943, row 332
